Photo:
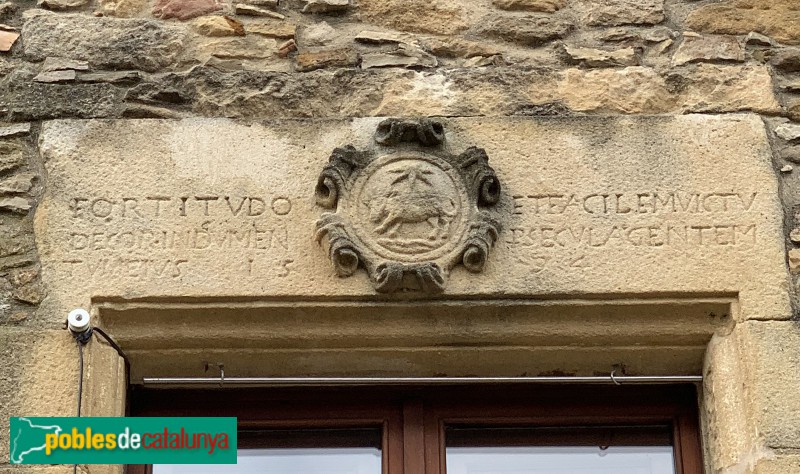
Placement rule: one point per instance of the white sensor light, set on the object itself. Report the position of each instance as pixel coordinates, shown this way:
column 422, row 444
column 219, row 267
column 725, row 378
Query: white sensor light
column 78, row 320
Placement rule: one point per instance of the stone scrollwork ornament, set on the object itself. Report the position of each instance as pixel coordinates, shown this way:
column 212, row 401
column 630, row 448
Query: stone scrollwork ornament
column 407, row 211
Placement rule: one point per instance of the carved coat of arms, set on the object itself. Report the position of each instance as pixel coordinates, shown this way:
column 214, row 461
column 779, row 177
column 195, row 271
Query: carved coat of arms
column 407, row 211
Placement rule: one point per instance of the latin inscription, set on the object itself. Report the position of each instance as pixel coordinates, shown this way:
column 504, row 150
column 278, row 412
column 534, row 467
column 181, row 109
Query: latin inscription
column 564, row 229
column 634, row 203
column 160, row 236
column 178, row 206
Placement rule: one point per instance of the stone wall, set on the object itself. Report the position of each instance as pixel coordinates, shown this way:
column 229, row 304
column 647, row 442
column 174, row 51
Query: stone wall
column 260, row 60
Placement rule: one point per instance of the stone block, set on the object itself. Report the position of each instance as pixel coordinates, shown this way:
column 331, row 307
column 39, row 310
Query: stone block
column 106, row 43
column 334, row 58
column 218, row 26
column 547, row 6
column 185, row 9
column 620, row 12
column 779, row 464
column 25, row 100
column 61, row 4
column 779, row 19
column 12, row 155
column 718, row 88
column 325, row 6
column 772, row 365
column 628, row 90
column 530, row 30
column 442, row 17
column 708, row 49
column 591, row 57
column 644, row 205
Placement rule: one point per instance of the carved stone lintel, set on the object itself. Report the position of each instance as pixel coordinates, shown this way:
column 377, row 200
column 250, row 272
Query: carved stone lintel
column 408, row 211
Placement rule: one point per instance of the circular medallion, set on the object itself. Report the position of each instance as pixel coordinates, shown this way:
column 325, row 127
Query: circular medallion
column 409, row 207
column 404, row 215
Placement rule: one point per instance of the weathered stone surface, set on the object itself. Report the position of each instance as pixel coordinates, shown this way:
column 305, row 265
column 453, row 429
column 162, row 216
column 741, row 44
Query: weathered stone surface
column 250, row 10
column 272, row 29
column 793, row 110
column 591, row 57
column 583, row 156
column 757, row 39
column 718, row 88
column 114, row 77
column 249, row 47
column 272, row 4
column 15, row 130
column 773, row 344
column 780, row 464
column 18, row 183
column 56, row 76
column 792, row 86
column 6, row 66
column 403, row 56
column 794, row 260
column 379, row 37
column 619, row 34
column 61, row 4
column 12, row 155
column 791, row 154
column 701, row 88
column 787, row 60
column 161, row 90
column 7, row 40
column 325, row 6
column 123, row 8
column 62, row 64
column 15, row 204
column 317, row 34
column 484, row 61
column 621, row 12
column 286, row 48
column 708, row 48
column 310, row 60
column 531, row 30
column 629, row 90
column 788, row 131
column 775, row 18
column 138, row 111
column 7, row 8
column 184, row 9
column 218, row 26
column 658, row 34
column 36, row 101
column 106, row 43
column 547, row 6
column 441, row 17
column 23, row 276
column 460, row 48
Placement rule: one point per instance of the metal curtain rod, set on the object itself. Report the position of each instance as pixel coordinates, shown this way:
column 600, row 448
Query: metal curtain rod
column 351, row 381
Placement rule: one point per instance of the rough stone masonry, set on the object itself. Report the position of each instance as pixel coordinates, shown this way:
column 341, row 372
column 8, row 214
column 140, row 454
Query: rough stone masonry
column 264, row 60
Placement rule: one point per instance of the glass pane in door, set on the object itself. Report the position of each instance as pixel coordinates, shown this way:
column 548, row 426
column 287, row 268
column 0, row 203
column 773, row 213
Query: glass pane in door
column 315, row 451
column 590, row 450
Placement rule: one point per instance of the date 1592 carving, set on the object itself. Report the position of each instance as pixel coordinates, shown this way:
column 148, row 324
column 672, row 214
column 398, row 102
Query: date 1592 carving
column 407, row 211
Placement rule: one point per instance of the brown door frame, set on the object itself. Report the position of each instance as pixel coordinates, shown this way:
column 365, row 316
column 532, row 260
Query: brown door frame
column 413, row 419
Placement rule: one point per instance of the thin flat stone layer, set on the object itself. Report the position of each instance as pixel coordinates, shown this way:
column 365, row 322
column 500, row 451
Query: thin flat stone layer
column 646, row 206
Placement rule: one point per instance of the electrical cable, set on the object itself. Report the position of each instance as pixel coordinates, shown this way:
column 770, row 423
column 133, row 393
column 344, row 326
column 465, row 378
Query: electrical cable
column 80, row 375
column 119, row 351
column 80, row 344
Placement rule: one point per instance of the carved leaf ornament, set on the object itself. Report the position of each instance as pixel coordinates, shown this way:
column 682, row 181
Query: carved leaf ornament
column 407, row 211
